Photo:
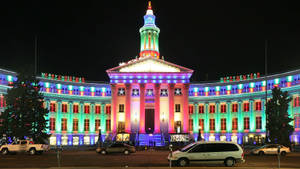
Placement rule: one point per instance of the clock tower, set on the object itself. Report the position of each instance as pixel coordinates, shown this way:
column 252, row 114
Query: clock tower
column 149, row 35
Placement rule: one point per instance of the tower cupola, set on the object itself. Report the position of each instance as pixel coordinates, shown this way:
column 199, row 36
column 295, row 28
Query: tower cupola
column 149, row 35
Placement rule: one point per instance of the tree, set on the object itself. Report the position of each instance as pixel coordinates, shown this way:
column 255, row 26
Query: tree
column 278, row 127
column 25, row 114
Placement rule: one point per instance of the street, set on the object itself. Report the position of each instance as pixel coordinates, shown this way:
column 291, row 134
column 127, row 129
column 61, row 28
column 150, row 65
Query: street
column 150, row 158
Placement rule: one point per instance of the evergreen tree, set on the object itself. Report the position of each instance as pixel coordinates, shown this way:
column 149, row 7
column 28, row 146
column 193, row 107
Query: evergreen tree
column 278, row 127
column 24, row 115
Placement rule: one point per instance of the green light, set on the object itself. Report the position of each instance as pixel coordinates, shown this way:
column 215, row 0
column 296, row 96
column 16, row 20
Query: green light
column 9, row 78
column 92, row 89
column 206, row 89
column 228, row 87
column 47, row 85
column 289, row 78
column 252, row 85
column 195, row 89
column 240, row 86
column 81, row 88
column 70, row 87
column 276, row 81
column 103, row 89
column 217, row 88
column 58, row 86
column 263, row 83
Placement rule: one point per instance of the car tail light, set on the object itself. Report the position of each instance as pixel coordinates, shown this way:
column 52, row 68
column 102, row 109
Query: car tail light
column 243, row 155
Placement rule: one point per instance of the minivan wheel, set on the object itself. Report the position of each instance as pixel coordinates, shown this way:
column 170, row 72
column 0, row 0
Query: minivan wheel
column 229, row 162
column 183, row 162
column 261, row 153
column 103, row 152
column 126, row 152
column 283, row 153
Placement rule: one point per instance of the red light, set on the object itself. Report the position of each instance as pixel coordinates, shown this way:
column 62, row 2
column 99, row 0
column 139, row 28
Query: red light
column 228, row 92
column 48, row 90
column 93, row 93
column 217, row 93
column 240, row 91
column 251, row 90
column 206, row 93
column 70, row 92
column 288, row 84
column 59, row 91
column 81, row 93
column 263, row 88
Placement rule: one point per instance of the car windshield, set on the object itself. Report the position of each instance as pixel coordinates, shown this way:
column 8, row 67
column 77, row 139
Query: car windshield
column 188, row 147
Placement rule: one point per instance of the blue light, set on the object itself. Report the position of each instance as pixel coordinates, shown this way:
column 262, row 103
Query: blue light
column 130, row 81
column 124, row 77
column 145, row 81
column 153, row 77
column 168, row 77
column 124, row 81
column 154, row 81
column 175, row 81
column 130, row 77
column 174, row 76
column 116, row 77
column 139, row 81
column 160, row 81
column 145, row 77
column 183, row 81
column 182, row 77
column 169, row 81
column 116, row 81
column 160, row 77
column 139, row 77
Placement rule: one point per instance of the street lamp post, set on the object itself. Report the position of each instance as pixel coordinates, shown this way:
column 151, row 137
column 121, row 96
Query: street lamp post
column 99, row 137
column 199, row 135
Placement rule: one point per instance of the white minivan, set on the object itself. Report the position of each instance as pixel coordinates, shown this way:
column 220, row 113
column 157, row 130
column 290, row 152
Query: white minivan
column 214, row 151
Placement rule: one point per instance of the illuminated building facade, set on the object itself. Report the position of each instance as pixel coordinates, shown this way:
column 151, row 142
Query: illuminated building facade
column 151, row 99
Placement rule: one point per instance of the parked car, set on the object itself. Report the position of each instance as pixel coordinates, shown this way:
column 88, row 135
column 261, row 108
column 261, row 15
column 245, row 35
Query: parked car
column 116, row 148
column 228, row 152
column 24, row 146
column 271, row 149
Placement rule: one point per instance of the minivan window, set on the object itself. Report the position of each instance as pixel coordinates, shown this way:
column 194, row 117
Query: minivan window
column 188, row 147
column 214, row 147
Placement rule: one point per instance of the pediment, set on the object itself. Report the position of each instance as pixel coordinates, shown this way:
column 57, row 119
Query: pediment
column 149, row 64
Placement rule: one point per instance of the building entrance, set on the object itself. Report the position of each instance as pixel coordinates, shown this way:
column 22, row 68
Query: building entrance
column 149, row 120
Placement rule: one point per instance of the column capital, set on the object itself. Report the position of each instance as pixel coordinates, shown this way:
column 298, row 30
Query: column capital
column 127, row 85
column 186, row 85
column 142, row 85
column 196, row 104
column 157, row 85
column 171, row 85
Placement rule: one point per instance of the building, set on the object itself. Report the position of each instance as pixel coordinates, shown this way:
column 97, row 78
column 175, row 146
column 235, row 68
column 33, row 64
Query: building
column 149, row 100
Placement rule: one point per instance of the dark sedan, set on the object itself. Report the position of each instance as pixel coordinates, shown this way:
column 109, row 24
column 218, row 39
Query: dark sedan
column 116, row 148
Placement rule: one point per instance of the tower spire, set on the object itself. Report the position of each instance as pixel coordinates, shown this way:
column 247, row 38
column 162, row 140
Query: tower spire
column 149, row 35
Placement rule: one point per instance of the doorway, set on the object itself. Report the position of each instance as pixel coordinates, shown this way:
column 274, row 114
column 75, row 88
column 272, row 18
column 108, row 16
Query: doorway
column 149, row 120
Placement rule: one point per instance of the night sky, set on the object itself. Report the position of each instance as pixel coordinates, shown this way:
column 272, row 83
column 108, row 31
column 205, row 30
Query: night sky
column 214, row 38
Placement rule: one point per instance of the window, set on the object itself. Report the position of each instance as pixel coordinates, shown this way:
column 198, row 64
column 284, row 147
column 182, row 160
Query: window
column 97, row 109
column 223, row 124
column 201, row 124
column 52, row 124
column 191, row 109
column 86, row 124
column 258, row 106
column 234, row 107
column 215, row 147
column 212, row 124
column 212, row 109
column 121, row 107
column 177, row 92
column 258, row 122
column 86, row 109
column 296, row 102
column 108, row 128
column 121, row 127
column 135, row 92
column 64, row 124
column 121, row 91
column 64, row 108
column 97, row 124
column 108, row 109
column 201, row 109
column 234, row 123
column 223, row 108
column 149, row 92
column 52, row 107
column 191, row 124
column 75, row 108
column 297, row 122
column 246, row 107
column 177, row 107
column 246, row 123
column 75, row 124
